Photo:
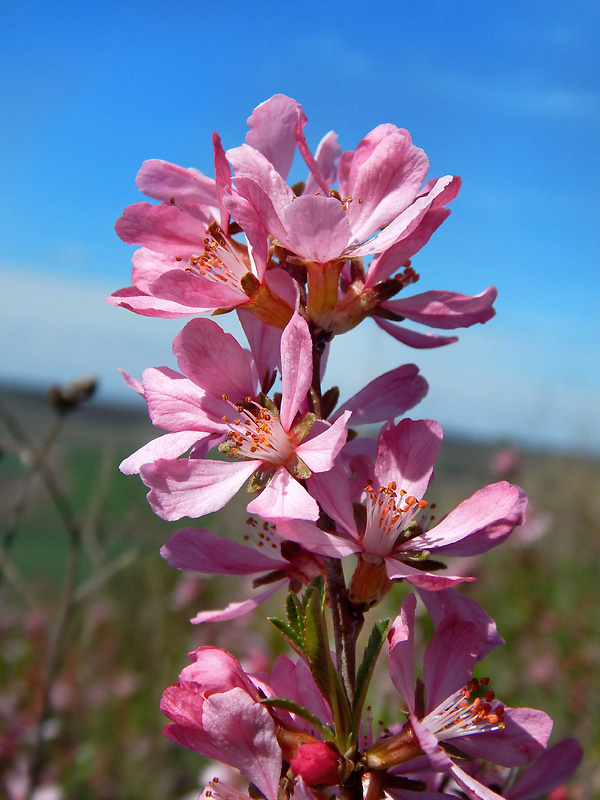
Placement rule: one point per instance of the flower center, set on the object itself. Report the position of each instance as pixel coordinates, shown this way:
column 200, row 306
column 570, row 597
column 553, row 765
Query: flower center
column 389, row 513
column 219, row 262
column 256, row 433
column 458, row 716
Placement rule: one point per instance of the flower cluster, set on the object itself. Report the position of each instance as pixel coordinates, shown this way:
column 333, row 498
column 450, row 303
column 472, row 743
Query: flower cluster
column 302, row 264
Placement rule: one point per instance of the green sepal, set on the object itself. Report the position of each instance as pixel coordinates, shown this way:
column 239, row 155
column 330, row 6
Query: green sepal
column 301, row 428
column 298, row 469
column 250, row 284
column 266, row 402
column 260, row 478
column 329, row 401
column 299, row 711
column 228, row 449
column 367, row 665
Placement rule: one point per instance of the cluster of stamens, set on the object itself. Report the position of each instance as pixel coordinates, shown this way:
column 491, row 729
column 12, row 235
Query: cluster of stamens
column 218, row 262
column 407, row 276
column 222, row 791
column 389, row 512
column 458, row 716
column 261, row 535
column 257, row 433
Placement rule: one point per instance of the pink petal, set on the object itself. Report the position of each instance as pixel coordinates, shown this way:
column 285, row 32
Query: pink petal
column 386, row 397
column 235, row 610
column 523, row 738
column 429, row 581
column 327, row 153
column 392, row 259
column 175, row 403
column 320, row 451
column 421, row 341
column 386, row 174
column 188, row 189
column 284, row 498
column 200, row 294
column 406, row 222
column 132, row 383
column 482, row 521
column 171, row 445
column 315, row 540
column 314, row 170
column 331, row 490
column 244, row 736
column 401, row 647
column 192, row 487
column 147, row 266
column 552, row 769
column 296, row 368
column 272, row 131
column 216, row 670
column 222, row 178
column 471, row 787
column 199, row 550
column 147, row 305
column 406, row 454
column 250, row 164
column 317, row 228
column 447, row 310
column 163, row 228
column 295, row 681
column 214, row 360
column 449, row 659
column 451, row 602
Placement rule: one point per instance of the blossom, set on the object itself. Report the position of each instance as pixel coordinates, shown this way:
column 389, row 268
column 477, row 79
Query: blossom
column 391, row 536
column 199, row 550
column 215, row 710
column 450, row 715
column 189, row 262
column 218, row 401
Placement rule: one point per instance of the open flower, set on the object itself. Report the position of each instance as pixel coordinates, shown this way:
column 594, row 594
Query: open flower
column 456, row 712
column 274, row 447
column 392, row 531
column 275, row 565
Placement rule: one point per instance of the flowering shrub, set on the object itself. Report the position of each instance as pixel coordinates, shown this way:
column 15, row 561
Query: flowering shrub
column 302, row 265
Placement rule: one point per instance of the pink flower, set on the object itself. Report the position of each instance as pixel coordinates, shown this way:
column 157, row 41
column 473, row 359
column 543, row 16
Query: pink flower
column 199, row 550
column 217, row 401
column 392, row 536
column 479, row 726
column 188, row 262
column 215, row 710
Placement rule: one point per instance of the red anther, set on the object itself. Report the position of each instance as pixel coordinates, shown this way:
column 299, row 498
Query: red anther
column 484, row 681
column 423, row 503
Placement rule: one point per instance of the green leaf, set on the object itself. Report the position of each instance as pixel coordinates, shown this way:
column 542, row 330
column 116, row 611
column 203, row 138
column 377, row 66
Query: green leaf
column 300, row 711
column 365, row 671
column 290, row 635
column 317, row 641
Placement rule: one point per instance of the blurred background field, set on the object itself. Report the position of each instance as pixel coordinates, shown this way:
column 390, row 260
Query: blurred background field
column 92, row 662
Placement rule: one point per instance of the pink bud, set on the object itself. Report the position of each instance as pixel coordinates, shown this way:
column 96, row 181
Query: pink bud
column 317, row 764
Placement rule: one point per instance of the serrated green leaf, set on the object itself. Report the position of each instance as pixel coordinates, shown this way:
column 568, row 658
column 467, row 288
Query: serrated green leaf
column 290, row 635
column 317, row 641
column 367, row 665
column 300, row 711
column 295, row 614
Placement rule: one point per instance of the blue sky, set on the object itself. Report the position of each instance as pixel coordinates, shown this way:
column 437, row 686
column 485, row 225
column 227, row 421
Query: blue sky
column 506, row 95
